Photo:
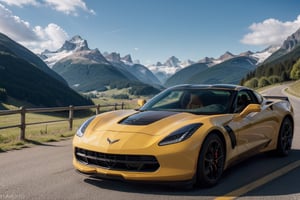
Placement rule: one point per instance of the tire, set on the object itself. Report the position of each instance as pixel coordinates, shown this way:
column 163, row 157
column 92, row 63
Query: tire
column 285, row 137
column 211, row 161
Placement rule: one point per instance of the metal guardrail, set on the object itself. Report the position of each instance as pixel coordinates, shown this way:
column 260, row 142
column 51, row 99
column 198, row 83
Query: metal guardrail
column 23, row 111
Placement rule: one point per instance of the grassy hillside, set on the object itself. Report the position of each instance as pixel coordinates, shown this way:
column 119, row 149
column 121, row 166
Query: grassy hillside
column 185, row 74
column 24, row 81
column 294, row 89
column 10, row 46
column 230, row 71
column 88, row 77
column 278, row 66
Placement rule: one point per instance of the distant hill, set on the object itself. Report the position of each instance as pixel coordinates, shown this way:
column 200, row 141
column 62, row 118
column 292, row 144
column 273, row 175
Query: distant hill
column 229, row 71
column 184, row 75
column 87, row 69
column 278, row 66
column 26, row 80
column 9, row 45
column 87, row 76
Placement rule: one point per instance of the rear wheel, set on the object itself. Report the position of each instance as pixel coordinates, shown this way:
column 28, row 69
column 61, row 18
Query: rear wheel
column 285, row 137
column 211, row 161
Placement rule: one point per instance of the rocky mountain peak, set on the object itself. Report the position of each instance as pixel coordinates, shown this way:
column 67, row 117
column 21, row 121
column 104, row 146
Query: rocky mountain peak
column 172, row 62
column 113, row 57
column 158, row 64
column 291, row 41
column 227, row 55
column 206, row 60
column 92, row 55
column 246, row 53
column 127, row 58
column 76, row 43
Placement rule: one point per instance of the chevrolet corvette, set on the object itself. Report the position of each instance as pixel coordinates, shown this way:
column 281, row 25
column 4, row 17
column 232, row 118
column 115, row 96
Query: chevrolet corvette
column 186, row 133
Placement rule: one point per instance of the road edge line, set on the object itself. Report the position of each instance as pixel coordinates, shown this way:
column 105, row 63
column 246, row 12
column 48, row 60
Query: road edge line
column 255, row 184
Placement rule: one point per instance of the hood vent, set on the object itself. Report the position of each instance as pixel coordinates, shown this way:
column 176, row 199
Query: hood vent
column 146, row 117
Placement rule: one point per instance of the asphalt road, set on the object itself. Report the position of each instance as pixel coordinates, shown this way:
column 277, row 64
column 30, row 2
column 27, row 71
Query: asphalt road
column 46, row 172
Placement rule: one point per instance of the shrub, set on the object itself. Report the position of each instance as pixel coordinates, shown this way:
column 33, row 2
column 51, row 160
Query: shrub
column 274, row 79
column 263, row 81
column 252, row 83
column 295, row 72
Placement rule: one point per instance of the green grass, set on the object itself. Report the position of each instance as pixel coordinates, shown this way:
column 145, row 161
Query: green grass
column 43, row 133
column 294, row 89
column 37, row 134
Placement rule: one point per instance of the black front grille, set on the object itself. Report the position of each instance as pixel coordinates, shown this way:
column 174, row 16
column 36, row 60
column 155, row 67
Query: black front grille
column 121, row 162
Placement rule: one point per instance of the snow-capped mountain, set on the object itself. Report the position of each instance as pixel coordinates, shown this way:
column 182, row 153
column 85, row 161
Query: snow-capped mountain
column 76, row 45
column 291, row 41
column 214, row 61
column 164, row 70
column 261, row 56
column 173, row 64
column 76, row 52
column 125, row 63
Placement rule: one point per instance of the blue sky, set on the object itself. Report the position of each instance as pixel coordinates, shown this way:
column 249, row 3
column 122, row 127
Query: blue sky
column 152, row 30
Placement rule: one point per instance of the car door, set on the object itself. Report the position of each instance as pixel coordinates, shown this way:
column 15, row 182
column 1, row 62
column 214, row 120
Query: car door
column 253, row 131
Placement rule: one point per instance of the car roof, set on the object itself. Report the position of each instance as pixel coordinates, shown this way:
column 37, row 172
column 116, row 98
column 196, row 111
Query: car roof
column 210, row 86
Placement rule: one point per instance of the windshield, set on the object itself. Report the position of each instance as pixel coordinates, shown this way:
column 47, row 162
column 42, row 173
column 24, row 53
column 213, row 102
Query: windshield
column 198, row 101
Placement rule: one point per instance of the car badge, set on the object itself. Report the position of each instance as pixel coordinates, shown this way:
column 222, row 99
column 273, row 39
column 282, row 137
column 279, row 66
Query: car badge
column 112, row 141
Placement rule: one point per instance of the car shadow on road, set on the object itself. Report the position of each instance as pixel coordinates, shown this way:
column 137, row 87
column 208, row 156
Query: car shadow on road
column 234, row 178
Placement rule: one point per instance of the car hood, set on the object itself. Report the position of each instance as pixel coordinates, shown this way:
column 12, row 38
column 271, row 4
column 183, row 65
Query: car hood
column 144, row 122
column 132, row 131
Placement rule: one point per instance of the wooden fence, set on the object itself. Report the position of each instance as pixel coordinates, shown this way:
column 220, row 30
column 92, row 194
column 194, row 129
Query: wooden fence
column 71, row 109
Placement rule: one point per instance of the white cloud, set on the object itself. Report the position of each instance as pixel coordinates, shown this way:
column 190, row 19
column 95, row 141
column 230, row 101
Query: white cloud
column 20, row 3
column 69, row 7
column 270, row 32
column 51, row 37
column 35, row 38
column 15, row 27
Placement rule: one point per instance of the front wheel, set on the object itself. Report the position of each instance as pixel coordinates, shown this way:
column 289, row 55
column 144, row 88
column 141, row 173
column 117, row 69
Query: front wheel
column 211, row 161
column 285, row 137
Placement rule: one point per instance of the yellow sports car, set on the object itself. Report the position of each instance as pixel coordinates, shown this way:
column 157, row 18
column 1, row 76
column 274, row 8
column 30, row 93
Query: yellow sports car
column 187, row 133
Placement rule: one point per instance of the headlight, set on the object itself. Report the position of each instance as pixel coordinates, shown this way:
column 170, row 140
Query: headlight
column 82, row 128
column 180, row 134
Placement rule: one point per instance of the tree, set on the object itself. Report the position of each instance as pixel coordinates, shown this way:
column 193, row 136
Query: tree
column 252, row 83
column 274, row 79
column 3, row 94
column 295, row 72
column 263, row 81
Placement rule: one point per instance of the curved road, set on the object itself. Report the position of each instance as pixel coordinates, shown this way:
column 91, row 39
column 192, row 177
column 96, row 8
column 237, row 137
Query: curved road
column 46, row 172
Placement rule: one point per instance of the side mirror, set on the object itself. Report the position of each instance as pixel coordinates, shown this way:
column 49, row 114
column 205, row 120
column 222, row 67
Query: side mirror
column 249, row 109
column 141, row 102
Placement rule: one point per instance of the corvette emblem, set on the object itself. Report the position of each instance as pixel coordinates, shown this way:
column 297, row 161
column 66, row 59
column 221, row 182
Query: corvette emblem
column 112, row 141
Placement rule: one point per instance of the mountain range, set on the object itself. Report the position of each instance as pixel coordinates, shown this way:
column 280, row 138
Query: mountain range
column 24, row 76
column 165, row 70
column 45, row 80
column 87, row 69
column 278, row 65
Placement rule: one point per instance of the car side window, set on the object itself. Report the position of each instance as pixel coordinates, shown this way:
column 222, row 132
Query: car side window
column 244, row 98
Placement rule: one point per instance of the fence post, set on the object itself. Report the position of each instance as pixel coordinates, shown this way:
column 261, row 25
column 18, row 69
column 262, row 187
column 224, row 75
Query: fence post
column 122, row 106
column 23, row 123
column 98, row 109
column 71, row 116
column 116, row 106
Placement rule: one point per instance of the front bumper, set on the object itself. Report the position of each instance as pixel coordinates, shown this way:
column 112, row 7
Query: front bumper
column 177, row 162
